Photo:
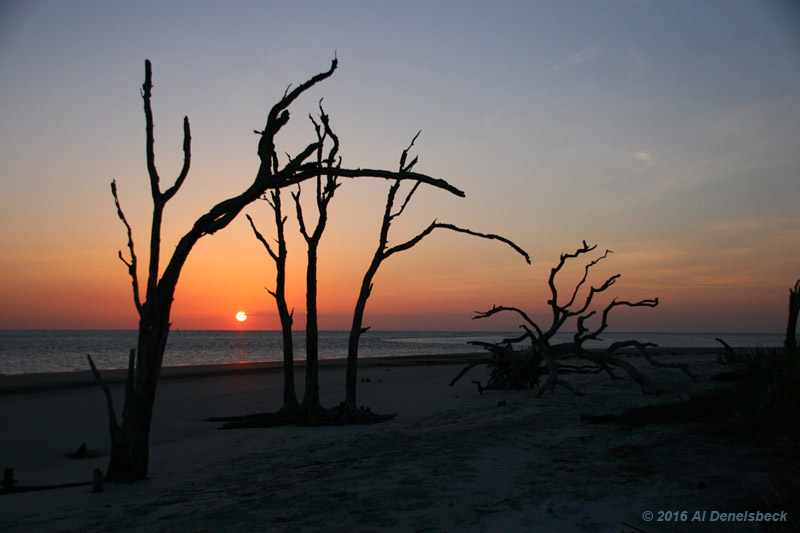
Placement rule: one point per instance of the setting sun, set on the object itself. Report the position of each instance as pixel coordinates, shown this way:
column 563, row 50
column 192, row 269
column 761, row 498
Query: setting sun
column 241, row 316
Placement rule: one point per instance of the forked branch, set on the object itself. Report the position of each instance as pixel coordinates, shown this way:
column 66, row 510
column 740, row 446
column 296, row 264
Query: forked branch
column 147, row 88
column 582, row 335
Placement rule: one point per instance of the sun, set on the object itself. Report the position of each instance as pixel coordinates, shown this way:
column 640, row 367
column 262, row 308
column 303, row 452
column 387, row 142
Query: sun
column 241, row 316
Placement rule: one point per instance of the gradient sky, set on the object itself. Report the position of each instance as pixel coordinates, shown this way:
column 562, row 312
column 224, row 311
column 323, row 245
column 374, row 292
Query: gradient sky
column 668, row 132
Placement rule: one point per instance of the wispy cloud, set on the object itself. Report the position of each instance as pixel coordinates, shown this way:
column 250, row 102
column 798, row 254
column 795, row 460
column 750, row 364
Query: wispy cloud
column 647, row 157
column 586, row 55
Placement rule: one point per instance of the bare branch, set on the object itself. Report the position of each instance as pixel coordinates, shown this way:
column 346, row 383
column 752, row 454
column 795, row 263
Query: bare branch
column 147, row 88
column 592, row 291
column 559, row 312
column 112, row 418
column 279, row 116
column 498, row 309
column 586, row 275
column 641, row 348
column 404, row 155
column 187, row 156
column 299, row 210
column 489, row 236
column 404, row 168
column 408, row 198
column 261, row 238
column 325, row 119
column 306, row 172
column 608, row 357
column 579, row 338
column 155, row 189
column 434, row 225
column 729, row 356
column 132, row 266
column 470, row 366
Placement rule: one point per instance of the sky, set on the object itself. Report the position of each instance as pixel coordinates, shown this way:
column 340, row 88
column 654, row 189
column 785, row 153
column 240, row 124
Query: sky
column 668, row 132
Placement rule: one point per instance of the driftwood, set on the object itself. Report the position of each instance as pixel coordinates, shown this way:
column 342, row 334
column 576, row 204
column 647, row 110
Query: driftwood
column 10, row 485
column 532, row 360
column 728, row 355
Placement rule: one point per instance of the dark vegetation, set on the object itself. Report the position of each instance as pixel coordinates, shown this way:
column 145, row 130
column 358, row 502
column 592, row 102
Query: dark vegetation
column 761, row 408
column 533, row 360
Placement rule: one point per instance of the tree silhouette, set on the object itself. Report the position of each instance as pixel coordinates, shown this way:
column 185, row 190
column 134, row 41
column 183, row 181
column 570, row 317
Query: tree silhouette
column 290, row 406
column 513, row 367
column 311, row 412
column 383, row 252
column 325, row 189
column 129, row 458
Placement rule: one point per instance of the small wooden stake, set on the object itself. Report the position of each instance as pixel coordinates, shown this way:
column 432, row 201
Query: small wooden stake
column 97, row 482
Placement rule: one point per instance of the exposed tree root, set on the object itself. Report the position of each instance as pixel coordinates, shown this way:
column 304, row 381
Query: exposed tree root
column 337, row 416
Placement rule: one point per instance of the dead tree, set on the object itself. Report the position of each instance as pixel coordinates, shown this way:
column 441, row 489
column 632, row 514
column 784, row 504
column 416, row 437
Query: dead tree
column 290, row 412
column 129, row 458
column 290, row 404
column 539, row 362
column 325, row 190
column 350, row 412
column 790, row 342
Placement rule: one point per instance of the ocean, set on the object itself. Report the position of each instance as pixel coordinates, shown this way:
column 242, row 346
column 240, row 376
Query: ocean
column 33, row 351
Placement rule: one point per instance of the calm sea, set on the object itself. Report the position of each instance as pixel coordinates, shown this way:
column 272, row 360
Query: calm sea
column 29, row 351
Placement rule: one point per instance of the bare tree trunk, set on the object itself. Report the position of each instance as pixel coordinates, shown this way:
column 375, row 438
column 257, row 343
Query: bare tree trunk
column 289, row 390
column 790, row 342
column 311, row 395
column 353, row 340
column 130, row 451
column 324, row 194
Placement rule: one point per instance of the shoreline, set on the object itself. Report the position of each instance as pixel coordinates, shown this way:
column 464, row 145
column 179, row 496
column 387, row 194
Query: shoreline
column 40, row 381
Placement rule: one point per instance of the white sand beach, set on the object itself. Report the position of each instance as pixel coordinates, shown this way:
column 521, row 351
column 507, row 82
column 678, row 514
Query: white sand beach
column 452, row 460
